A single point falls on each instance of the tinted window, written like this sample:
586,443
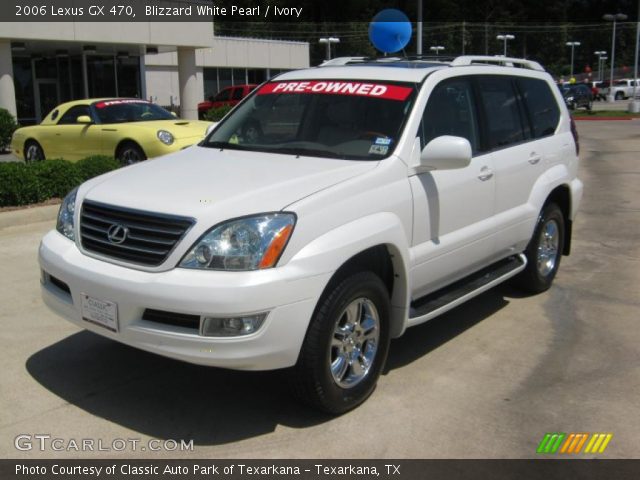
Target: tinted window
223,95
122,111
502,111
541,106
73,113
237,94
450,111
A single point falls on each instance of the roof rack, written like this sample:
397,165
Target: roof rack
452,61
341,61
387,59
498,60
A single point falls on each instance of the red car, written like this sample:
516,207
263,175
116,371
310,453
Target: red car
226,96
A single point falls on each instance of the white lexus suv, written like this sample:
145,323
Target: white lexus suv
328,212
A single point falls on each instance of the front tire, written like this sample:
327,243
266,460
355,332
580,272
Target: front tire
544,251
346,345
129,153
33,152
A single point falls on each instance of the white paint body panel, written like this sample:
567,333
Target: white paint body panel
438,227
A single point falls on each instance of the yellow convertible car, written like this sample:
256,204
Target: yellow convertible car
128,129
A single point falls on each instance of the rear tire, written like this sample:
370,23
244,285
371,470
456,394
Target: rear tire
129,153
544,251
33,152
619,96
346,345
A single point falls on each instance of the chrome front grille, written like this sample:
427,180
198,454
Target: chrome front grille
133,236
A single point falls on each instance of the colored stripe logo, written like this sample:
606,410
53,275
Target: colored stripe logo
573,443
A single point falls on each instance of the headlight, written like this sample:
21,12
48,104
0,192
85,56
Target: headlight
250,243
165,137
569,99
65,223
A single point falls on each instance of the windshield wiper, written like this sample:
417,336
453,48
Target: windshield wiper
223,145
313,152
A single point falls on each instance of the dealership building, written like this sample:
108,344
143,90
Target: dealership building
171,63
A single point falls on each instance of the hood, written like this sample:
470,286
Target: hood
177,127
215,185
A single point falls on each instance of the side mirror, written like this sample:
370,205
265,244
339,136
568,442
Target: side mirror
86,119
445,153
174,114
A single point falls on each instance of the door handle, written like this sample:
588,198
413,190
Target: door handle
534,159
485,174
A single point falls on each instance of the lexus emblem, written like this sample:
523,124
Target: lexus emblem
117,233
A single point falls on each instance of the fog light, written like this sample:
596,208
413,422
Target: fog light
231,327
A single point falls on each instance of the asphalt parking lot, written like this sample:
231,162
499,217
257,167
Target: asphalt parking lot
488,379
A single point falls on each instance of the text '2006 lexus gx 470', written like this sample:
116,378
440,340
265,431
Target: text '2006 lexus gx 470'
328,212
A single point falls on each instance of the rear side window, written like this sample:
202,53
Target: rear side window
502,111
541,105
451,111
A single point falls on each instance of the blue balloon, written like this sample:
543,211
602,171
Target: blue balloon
390,30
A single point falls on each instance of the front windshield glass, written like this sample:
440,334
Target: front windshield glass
325,118
130,110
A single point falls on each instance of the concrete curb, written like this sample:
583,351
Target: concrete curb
28,215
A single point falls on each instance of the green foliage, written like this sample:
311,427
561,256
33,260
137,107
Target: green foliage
97,165
18,185
55,177
216,114
8,125
23,184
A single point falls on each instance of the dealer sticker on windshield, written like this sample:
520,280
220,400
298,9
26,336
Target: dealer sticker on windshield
378,149
363,89
382,141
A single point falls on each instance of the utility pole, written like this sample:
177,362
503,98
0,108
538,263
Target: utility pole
419,28
486,38
634,106
618,17
572,45
463,42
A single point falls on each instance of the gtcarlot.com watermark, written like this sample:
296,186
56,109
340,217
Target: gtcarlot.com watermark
44,442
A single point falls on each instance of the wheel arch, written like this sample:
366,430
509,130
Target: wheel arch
385,261
561,196
123,142
557,185
376,242
32,139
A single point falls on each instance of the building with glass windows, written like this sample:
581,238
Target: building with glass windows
173,64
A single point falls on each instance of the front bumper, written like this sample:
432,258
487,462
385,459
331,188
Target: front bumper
288,293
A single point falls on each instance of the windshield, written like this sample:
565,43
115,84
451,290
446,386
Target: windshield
353,120
122,111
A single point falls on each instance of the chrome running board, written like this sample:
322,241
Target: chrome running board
435,304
